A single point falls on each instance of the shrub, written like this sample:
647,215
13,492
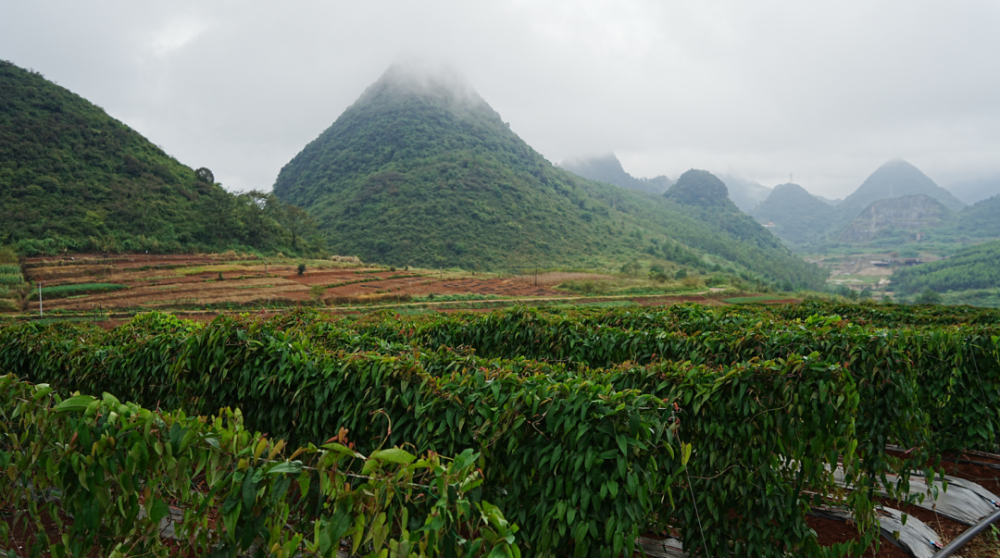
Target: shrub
316,292
8,255
692,281
929,296
302,269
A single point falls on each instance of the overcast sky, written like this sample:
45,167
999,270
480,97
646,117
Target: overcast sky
827,91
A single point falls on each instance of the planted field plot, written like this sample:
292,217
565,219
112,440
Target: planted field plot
83,283
95,284
688,430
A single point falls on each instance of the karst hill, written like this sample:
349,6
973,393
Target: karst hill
897,204
74,179
420,170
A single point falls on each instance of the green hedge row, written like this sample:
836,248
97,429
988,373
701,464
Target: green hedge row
104,463
583,459
946,378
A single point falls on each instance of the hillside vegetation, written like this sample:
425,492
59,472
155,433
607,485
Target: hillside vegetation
73,178
975,267
422,171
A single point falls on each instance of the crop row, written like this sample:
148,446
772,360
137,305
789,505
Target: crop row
583,459
64,291
117,469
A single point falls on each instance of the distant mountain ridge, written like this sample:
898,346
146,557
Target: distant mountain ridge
896,204
419,171
894,179
746,194
607,168
794,214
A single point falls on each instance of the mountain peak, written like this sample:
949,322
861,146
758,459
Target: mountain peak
417,77
701,188
895,178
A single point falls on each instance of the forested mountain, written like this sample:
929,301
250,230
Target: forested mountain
907,216
974,267
897,204
73,178
607,168
894,179
420,170
978,221
797,216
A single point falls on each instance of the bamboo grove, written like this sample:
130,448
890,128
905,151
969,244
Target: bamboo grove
590,427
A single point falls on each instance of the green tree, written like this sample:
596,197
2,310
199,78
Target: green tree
929,296
297,223
205,175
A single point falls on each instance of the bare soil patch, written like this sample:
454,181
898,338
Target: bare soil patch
557,277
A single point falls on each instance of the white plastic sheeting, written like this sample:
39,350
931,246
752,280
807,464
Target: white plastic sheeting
915,537
964,501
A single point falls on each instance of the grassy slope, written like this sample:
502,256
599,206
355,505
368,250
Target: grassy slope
417,174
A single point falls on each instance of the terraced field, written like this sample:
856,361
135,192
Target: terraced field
201,286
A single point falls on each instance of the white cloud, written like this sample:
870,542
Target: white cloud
175,34
825,91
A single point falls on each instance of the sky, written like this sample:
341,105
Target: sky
825,92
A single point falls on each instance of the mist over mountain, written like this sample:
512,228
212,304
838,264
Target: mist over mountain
895,179
420,170
828,201
897,204
607,168
746,194
977,189
793,214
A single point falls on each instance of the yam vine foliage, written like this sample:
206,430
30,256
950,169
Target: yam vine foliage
124,473
592,426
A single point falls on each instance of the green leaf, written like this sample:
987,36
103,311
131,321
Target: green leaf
394,455
686,455
249,489
158,511
293,467
75,403
335,529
